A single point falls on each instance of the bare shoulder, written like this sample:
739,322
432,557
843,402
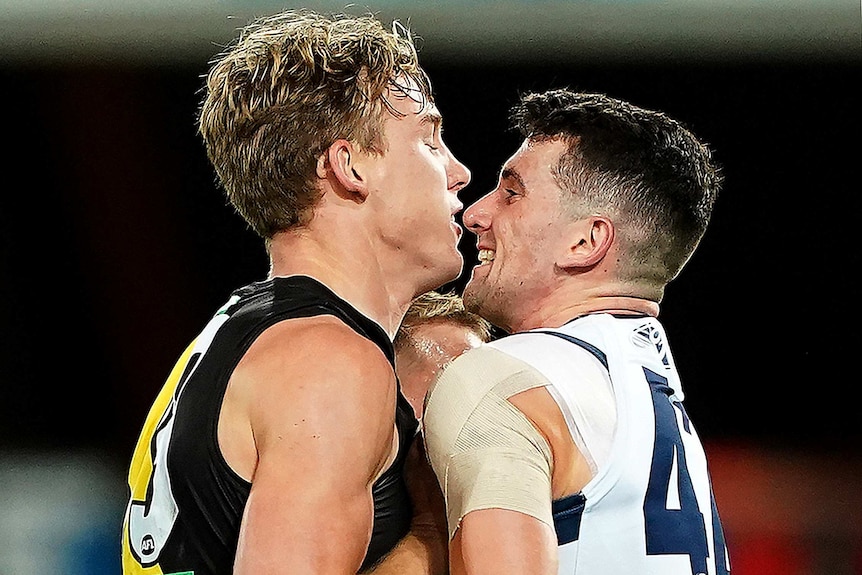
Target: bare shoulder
320,348
321,411
316,371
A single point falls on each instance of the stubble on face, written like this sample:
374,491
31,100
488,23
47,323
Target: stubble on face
520,225
479,297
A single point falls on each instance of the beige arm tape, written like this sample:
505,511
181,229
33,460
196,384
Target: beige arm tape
485,452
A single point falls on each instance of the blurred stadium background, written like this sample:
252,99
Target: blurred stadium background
116,246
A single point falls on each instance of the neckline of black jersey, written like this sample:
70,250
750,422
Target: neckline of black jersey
374,330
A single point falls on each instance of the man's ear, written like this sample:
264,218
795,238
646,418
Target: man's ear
591,239
341,161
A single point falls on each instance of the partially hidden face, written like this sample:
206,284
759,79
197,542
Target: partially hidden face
418,180
520,230
431,347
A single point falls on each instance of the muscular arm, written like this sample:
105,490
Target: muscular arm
423,551
505,541
497,439
323,428
501,541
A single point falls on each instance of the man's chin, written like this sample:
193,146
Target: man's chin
472,301
478,274
448,272
478,298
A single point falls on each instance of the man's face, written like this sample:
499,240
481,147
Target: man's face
429,349
417,179
521,230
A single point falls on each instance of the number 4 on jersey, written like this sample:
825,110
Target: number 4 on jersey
674,522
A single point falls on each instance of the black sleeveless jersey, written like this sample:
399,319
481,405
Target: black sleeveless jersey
186,503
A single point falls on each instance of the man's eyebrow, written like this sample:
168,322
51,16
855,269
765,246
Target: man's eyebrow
512,174
431,117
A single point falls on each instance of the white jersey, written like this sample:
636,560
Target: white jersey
649,509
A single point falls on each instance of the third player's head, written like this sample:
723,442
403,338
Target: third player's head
436,329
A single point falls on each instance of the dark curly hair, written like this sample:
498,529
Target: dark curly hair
639,166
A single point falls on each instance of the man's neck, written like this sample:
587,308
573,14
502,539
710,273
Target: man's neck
615,305
350,270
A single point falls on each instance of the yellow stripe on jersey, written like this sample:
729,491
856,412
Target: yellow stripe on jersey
141,468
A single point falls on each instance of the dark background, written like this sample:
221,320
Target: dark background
117,245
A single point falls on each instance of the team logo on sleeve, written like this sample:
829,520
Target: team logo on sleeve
647,335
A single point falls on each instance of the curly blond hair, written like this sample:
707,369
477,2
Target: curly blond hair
289,86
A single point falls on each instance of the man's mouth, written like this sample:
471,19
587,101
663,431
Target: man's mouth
486,256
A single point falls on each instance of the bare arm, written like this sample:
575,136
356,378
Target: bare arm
423,551
499,489
501,541
506,541
324,429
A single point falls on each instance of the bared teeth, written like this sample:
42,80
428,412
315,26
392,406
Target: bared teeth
486,256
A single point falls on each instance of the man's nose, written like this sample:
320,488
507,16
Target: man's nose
459,174
477,216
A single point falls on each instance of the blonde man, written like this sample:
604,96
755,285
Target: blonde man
436,329
278,443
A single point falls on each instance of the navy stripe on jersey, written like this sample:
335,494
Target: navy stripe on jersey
567,517
600,355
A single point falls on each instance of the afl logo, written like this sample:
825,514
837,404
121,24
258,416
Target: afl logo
148,545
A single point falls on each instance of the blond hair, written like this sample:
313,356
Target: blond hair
288,87
440,307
